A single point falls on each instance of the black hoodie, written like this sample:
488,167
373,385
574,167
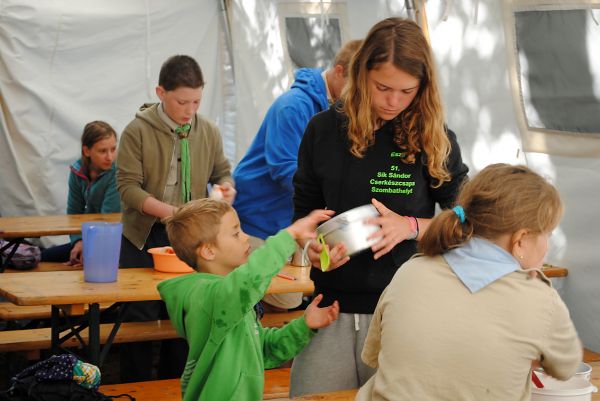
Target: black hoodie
330,176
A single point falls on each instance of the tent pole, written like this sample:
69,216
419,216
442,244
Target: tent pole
416,11
410,9
227,29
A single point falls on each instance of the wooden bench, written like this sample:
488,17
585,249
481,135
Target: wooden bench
34,340
277,385
349,395
10,311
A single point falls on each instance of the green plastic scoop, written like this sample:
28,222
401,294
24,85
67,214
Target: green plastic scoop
324,253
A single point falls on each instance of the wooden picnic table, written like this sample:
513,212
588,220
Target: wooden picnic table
41,226
67,291
16,229
549,271
276,387
134,284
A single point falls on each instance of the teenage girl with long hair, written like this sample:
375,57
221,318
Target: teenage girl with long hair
384,143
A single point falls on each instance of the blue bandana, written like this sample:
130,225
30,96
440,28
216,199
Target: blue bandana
479,262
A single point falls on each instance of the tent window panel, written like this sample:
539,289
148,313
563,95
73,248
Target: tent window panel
560,81
312,41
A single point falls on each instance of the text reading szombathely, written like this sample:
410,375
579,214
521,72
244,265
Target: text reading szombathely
393,181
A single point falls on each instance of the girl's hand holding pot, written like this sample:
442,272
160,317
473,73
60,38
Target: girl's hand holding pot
394,229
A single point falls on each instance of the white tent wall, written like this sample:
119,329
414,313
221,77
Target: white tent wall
63,64
263,69
471,53
57,73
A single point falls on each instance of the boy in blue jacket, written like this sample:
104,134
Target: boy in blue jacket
264,175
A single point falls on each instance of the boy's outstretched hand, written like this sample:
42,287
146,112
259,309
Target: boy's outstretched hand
305,227
317,318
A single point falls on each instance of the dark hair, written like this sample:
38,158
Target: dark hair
501,199
180,71
93,132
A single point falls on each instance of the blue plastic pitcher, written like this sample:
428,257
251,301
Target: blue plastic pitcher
101,250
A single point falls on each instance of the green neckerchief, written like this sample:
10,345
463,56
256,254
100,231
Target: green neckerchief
183,132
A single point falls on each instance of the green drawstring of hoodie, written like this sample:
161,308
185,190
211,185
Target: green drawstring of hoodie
182,132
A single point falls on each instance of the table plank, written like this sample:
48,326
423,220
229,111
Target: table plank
138,284
342,395
45,267
590,356
553,272
303,283
40,226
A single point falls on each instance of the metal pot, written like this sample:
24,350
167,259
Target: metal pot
349,228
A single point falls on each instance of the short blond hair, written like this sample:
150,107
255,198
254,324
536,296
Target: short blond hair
345,54
194,224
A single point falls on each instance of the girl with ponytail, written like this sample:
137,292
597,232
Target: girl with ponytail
474,310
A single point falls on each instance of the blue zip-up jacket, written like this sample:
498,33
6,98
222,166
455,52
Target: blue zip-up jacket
264,176
98,196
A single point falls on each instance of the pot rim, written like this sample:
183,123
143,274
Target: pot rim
348,217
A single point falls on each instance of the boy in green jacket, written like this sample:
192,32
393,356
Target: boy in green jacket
213,309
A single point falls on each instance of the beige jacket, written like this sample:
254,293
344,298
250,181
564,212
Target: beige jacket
432,339
143,161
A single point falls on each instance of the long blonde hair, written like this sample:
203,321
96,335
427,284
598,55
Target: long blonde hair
420,127
501,199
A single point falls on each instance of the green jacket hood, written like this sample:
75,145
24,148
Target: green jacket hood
175,293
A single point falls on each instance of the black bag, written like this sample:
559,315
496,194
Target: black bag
32,389
56,379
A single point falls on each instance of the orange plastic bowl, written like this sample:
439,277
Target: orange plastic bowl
166,261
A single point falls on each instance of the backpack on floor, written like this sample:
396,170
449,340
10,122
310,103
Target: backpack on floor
58,378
